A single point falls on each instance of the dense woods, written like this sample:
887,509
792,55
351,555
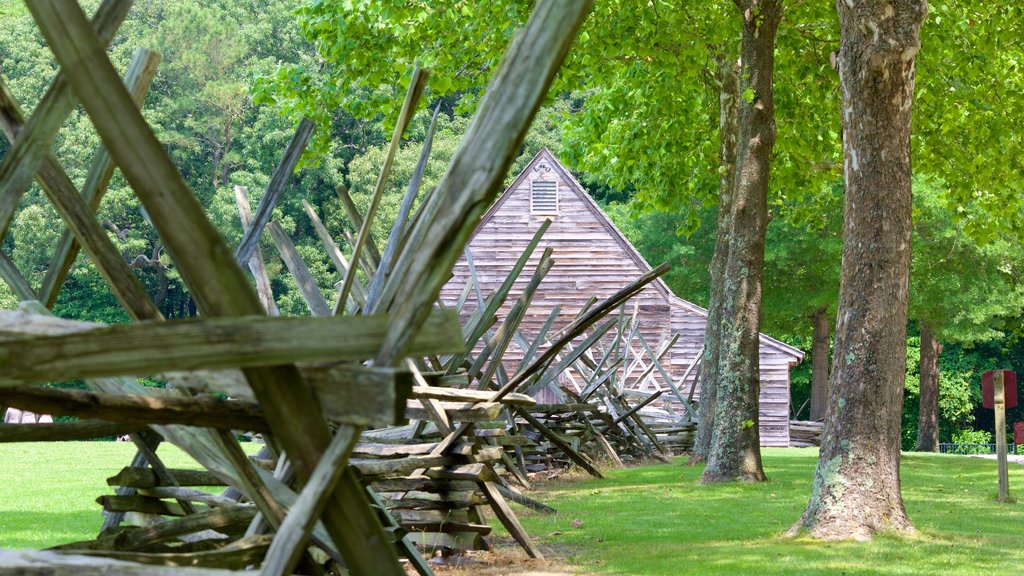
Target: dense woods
671,117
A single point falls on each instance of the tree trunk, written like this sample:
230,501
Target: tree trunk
729,98
819,363
735,451
928,414
856,489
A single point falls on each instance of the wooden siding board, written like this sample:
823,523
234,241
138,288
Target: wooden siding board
592,258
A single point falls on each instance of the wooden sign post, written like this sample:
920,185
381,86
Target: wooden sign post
999,398
999,392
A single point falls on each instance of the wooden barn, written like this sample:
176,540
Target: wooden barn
593,258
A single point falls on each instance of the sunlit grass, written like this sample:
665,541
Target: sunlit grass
48,491
658,520
645,520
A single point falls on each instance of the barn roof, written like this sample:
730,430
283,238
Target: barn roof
627,247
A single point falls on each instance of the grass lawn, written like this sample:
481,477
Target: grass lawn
48,491
657,520
643,520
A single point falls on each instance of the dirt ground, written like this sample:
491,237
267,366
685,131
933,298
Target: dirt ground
505,559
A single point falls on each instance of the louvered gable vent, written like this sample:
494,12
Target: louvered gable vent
544,197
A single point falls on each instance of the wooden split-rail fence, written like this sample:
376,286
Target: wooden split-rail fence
310,386
339,486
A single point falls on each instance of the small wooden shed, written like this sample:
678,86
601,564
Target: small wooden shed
593,258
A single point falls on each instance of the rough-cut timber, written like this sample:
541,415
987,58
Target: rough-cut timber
208,268
856,489
592,258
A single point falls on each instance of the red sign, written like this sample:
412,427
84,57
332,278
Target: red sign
1018,433
1009,388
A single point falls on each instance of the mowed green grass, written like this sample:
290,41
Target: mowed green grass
658,520
643,520
48,491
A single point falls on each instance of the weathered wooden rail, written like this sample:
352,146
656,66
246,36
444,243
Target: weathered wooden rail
314,495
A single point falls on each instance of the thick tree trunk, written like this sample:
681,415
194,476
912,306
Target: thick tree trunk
819,363
735,451
928,413
856,489
729,98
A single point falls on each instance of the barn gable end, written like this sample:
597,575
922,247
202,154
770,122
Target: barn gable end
593,258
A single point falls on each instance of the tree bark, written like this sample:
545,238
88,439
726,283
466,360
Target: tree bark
928,413
729,99
856,489
735,451
819,363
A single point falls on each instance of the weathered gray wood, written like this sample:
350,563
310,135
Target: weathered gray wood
508,518
147,442
204,343
22,161
334,253
256,265
275,189
465,395
585,321
335,385
64,431
187,495
138,477
236,555
474,472
205,411
288,544
391,248
412,98
208,268
404,543
50,563
458,411
381,450
297,266
368,264
137,79
477,169
153,442
594,258
639,406
364,397
227,519
486,317
382,467
524,500
505,333
567,360
555,439
12,276
141,504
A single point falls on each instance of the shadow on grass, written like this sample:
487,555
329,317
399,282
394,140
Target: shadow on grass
658,520
24,529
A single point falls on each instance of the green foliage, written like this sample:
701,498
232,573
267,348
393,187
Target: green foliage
645,113
201,109
970,82
971,437
967,287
